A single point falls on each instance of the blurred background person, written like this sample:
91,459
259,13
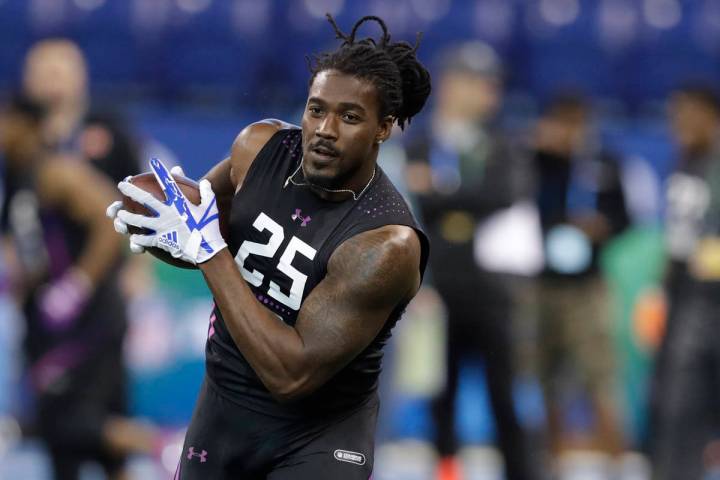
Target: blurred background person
55,75
582,208
189,72
463,170
64,277
686,383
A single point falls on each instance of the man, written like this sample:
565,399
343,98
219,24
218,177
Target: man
685,386
463,172
327,257
55,75
63,270
582,208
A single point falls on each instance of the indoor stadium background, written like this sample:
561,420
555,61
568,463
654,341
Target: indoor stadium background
187,75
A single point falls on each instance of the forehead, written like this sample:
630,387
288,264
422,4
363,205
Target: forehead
55,56
334,87
681,102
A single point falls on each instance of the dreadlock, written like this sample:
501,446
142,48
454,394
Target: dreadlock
402,82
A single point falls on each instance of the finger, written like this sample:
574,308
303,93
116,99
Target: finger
173,195
140,195
206,192
113,208
177,170
136,249
142,240
207,201
137,220
120,226
205,188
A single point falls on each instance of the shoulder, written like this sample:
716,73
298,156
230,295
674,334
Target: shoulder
249,142
252,138
387,258
106,117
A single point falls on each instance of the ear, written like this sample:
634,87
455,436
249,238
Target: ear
384,129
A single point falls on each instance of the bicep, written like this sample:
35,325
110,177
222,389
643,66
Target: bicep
220,179
81,192
369,276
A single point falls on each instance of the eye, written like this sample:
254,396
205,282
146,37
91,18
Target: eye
314,110
351,117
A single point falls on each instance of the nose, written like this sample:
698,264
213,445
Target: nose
327,128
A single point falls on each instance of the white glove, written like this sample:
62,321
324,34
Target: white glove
186,231
120,226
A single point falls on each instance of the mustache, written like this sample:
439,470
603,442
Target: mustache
327,145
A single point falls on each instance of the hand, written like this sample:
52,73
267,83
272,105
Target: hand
186,231
62,301
120,226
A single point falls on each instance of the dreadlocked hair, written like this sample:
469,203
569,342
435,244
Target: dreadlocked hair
402,82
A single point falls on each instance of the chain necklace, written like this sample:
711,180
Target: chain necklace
329,190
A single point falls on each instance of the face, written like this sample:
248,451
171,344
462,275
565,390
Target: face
562,132
341,131
468,97
693,123
55,73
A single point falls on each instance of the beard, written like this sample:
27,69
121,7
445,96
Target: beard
327,180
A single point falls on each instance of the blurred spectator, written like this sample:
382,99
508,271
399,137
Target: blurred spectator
463,171
686,383
64,275
582,208
55,75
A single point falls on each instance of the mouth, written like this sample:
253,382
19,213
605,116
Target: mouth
324,154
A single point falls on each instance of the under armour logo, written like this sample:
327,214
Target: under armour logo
297,216
191,454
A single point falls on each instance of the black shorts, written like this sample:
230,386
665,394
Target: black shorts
228,441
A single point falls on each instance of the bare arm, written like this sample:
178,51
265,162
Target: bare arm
82,193
227,176
368,276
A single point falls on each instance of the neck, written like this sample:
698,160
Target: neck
330,196
365,173
701,149
63,121
353,190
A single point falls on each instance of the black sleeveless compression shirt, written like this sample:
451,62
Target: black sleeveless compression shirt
282,236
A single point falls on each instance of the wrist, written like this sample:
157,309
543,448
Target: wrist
221,256
80,281
63,300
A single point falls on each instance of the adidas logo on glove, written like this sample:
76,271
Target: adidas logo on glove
186,231
169,239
